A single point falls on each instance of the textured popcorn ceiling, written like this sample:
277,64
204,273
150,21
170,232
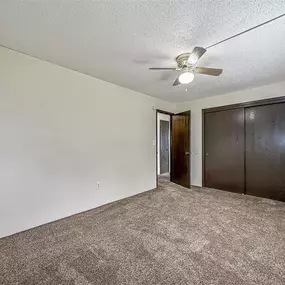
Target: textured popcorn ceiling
118,41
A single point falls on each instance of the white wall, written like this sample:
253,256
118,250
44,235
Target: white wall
163,117
61,132
196,106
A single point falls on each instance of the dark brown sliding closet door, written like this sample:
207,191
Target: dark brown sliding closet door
224,150
265,151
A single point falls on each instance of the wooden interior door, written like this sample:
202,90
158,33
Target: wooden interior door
164,147
265,151
180,149
224,150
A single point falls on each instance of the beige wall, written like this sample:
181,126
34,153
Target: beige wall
61,133
196,106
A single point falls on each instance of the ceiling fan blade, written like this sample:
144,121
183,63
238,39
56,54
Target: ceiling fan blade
195,55
209,71
176,82
162,68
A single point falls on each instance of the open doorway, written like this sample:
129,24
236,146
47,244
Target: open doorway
173,148
163,147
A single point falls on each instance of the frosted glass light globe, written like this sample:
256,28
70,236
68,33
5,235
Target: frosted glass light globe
186,77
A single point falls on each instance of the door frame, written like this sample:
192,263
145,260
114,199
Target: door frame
268,101
170,142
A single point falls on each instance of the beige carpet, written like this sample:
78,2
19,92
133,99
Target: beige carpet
169,235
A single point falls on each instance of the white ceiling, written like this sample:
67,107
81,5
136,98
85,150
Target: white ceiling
118,41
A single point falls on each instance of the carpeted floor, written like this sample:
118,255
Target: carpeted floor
170,235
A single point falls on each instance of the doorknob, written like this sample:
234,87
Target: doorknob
187,153
207,154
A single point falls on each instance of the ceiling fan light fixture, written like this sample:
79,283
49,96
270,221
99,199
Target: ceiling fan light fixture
186,77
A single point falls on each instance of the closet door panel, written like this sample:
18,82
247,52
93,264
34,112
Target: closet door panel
224,150
265,151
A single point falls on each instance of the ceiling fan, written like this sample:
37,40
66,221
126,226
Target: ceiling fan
186,64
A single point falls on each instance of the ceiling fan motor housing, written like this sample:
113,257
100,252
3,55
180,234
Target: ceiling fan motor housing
182,61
